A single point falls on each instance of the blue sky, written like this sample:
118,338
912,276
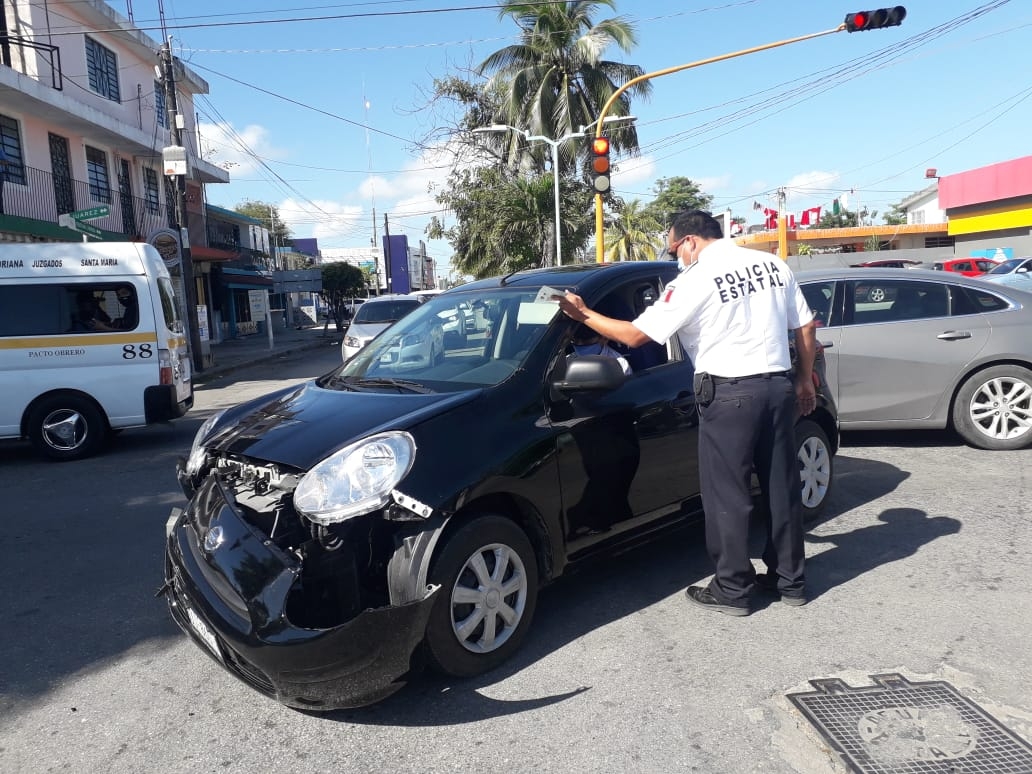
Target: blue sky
323,116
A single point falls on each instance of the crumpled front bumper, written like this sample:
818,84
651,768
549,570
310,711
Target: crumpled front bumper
228,588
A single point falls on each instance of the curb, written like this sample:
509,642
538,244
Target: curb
218,371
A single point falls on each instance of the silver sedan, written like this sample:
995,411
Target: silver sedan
910,348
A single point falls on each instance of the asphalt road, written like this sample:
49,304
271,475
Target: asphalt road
920,566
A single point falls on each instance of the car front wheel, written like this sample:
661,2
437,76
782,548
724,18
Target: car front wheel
815,466
993,409
488,577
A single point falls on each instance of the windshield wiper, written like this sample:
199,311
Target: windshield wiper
380,381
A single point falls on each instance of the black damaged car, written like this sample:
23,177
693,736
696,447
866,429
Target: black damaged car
407,507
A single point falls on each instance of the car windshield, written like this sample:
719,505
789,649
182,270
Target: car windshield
455,341
1006,266
386,311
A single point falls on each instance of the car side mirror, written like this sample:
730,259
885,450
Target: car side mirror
590,373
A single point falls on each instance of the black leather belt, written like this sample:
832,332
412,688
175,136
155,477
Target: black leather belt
736,379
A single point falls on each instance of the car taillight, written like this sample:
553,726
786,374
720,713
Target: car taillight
165,366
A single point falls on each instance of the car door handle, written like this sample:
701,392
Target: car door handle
829,345
954,335
684,400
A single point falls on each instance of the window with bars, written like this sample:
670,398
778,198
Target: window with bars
159,104
97,174
171,195
939,241
102,66
11,151
150,189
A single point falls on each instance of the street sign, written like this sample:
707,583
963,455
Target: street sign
93,212
66,221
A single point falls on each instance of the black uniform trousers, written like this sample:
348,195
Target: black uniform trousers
750,425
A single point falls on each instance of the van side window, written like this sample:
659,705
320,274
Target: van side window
33,310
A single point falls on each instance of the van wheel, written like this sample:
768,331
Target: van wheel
488,576
66,428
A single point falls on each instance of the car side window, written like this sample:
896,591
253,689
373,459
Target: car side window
899,300
819,295
975,300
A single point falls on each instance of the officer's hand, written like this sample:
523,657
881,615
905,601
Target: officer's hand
572,306
806,396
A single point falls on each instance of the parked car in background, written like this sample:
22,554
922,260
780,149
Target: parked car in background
945,351
969,267
373,316
338,535
1013,271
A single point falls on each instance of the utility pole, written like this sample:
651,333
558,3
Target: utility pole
176,124
387,254
782,226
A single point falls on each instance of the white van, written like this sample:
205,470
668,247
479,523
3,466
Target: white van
90,342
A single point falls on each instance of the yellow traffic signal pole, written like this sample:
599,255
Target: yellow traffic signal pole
599,239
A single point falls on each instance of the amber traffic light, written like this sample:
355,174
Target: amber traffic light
880,18
600,164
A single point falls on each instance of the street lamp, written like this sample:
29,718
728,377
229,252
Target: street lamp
555,162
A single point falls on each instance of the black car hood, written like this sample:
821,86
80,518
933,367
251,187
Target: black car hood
303,425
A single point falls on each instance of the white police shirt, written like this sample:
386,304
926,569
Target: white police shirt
732,310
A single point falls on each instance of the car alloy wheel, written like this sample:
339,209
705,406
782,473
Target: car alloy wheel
876,295
815,466
993,408
488,573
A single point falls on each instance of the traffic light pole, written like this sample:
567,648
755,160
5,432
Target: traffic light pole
599,238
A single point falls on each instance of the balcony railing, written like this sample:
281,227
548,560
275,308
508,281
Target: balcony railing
40,195
51,53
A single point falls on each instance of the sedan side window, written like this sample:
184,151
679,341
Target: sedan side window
819,296
898,300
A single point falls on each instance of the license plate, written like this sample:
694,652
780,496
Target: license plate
184,368
203,632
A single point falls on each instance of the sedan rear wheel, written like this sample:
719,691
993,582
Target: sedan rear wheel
815,466
488,576
993,409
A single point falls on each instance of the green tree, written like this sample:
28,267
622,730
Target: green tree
897,216
503,223
554,81
843,219
340,281
634,234
280,234
674,194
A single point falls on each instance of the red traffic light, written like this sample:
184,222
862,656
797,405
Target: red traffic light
600,164
862,21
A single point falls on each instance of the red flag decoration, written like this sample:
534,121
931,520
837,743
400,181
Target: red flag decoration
811,217
772,218
791,220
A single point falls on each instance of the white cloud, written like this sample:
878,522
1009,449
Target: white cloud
234,149
810,185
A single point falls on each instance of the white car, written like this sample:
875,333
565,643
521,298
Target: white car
372,317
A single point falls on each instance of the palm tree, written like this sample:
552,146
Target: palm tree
554,81
634,234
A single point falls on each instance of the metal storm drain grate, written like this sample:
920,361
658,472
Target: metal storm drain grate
899,727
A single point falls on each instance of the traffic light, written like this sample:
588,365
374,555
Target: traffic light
600,164
862,21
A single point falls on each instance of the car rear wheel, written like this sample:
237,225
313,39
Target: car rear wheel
488,577
815,466
993,408
66,427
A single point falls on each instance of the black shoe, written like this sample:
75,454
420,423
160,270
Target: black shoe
768,583
701,595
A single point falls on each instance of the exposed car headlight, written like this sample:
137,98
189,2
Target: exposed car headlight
197,450
355,480
352,341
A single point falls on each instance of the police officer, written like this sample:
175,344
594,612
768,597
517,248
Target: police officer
733,308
